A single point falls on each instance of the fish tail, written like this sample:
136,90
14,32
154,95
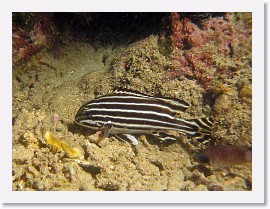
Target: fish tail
199,129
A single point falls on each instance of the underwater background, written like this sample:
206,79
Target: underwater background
62,60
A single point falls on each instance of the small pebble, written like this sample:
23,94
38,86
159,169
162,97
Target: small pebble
36,162
54,118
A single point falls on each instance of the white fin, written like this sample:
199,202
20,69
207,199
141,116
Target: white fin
129,137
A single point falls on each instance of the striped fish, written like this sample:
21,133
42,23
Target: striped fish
125,113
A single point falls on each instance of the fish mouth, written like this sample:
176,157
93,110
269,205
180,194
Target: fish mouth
77,119
79,116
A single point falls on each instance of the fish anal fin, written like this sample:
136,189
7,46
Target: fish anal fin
202,138
162,136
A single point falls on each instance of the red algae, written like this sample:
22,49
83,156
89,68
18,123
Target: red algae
184,33
224,156
209,49
34,36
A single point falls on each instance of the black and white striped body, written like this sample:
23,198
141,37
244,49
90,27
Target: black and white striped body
127,112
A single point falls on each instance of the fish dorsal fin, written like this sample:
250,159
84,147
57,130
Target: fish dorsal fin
128,92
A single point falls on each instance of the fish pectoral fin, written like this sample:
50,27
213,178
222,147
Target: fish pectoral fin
127,137
106,133
164,136
106,129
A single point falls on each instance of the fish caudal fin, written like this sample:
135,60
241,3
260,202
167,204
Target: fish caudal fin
199,129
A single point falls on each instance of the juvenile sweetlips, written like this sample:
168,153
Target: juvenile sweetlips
224,155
